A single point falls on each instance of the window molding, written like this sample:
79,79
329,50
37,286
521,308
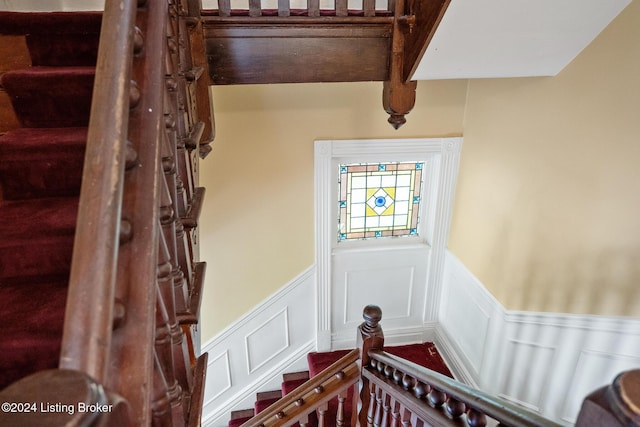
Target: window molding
445,152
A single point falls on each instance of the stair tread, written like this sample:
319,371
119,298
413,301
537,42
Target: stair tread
41,142
239,417
50,96
271,394
26,220
265,399
45,71
41,162
242,413
21,23
290,385
32,323
293,380
37,238
292,376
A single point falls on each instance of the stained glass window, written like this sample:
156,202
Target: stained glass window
379,200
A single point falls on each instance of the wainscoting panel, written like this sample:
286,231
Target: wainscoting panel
251,355
393,279
516,383
363,286
221,381
607,364
547,362
260,350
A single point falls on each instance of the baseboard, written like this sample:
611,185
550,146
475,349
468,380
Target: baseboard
452,357
397,336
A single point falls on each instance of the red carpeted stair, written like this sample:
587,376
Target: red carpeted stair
425,354
40,174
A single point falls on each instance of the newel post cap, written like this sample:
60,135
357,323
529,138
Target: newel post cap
372,314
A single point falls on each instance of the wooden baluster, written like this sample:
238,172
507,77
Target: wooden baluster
369,7
377,420
304,421
168,223
372,406
168,335
386,409
255,8
391,5
341,8
406,416
224,7
340,411
284,8
395,413
322,413
313,7
160,406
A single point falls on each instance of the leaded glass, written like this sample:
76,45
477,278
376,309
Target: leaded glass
379,200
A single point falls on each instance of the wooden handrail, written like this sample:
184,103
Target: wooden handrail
90,301
312,395
414,385
130,305
395,392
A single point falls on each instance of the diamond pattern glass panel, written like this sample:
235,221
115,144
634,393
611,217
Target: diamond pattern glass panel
379,200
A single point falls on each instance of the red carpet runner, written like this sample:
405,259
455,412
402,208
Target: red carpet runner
425,355
40,173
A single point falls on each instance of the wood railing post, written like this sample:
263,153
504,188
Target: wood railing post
615,405
370,337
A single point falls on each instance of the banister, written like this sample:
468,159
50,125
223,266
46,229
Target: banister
408,376
394,391
311,395
89,314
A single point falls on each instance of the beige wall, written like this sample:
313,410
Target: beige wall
547,211
258,230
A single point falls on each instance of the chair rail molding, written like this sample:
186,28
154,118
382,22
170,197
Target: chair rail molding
547,362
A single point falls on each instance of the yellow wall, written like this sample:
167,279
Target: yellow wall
257,231
547,211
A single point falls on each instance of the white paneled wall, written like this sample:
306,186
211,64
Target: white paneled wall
547,362
252,354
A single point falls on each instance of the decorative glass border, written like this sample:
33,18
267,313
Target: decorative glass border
379,200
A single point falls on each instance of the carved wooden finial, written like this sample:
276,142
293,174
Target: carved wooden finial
398,99
372,314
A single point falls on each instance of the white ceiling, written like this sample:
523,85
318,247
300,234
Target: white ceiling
476,38
513,38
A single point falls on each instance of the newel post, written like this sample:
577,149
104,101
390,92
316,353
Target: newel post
370,337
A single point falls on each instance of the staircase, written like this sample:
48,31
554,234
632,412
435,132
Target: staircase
40,175
425,355
103,119
264,399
